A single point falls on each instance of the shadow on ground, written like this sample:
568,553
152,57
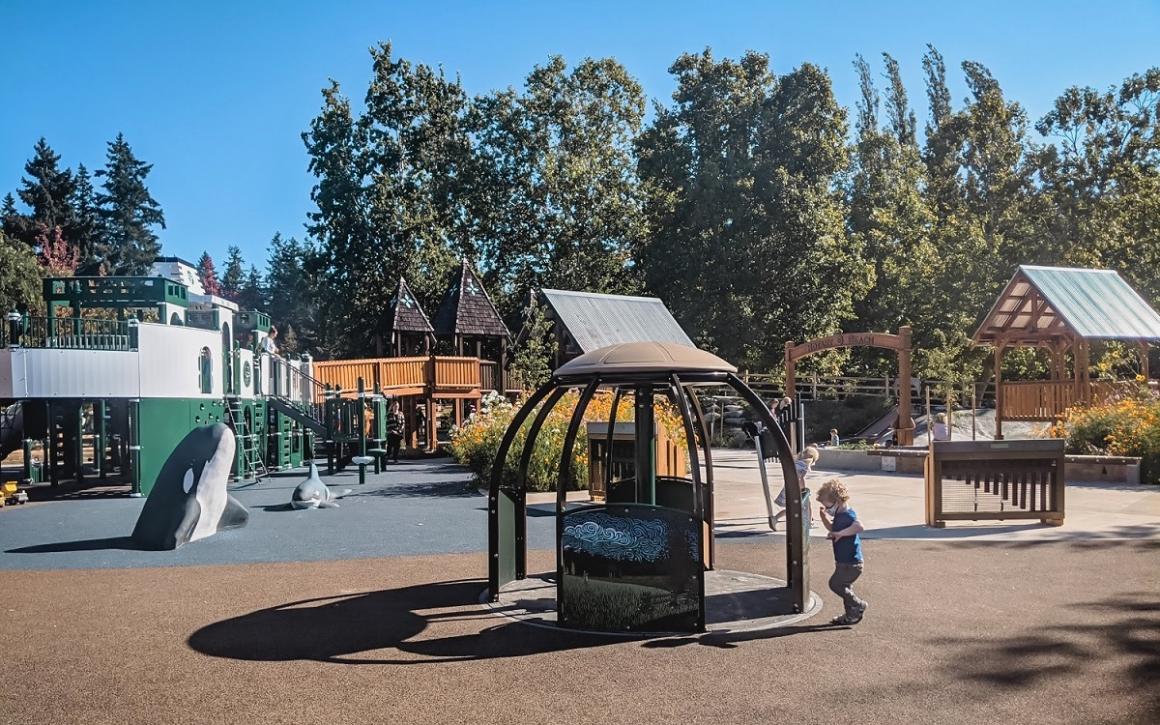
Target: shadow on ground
386,628
380,627
123,543
1071,650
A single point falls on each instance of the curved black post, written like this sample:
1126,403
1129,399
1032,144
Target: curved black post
522,482
608,441
691,441
562,482
497,467
710,508
797,555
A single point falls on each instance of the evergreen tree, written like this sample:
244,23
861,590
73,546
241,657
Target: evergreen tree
208,275
234,276
531,364
252,295
10,216
47,191
128,213
85,230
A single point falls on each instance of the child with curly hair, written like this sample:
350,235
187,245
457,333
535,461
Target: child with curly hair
844,527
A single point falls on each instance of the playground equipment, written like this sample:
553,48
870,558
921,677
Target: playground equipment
900,343
637,561
111,389
995,480
1062,310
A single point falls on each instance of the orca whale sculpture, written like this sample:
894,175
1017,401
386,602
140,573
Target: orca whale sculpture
189,500
313,493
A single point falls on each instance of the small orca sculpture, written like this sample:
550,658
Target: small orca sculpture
314,494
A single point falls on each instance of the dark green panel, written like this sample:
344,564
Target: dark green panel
507,538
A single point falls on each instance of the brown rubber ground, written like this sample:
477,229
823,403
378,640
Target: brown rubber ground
956,632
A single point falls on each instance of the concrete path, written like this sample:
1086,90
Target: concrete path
891,506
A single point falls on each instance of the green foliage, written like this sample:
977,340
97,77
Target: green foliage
531,364
128,213
19,277
555,201
234,276
476,445
1129,426
746,239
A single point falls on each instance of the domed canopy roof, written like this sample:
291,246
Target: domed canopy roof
644,357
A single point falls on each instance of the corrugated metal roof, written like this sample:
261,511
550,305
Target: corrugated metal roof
1093,304
599,320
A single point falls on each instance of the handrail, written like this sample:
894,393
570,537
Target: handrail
66,333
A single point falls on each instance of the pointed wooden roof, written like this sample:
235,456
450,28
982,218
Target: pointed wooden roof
406,315
467,310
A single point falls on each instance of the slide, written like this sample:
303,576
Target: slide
879,427
11,429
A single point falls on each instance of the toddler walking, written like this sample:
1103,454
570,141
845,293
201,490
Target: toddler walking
844,527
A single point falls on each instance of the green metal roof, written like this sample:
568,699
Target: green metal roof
1092,304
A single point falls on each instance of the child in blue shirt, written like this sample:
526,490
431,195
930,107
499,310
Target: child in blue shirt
844,527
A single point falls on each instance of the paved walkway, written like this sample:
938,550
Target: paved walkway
891,506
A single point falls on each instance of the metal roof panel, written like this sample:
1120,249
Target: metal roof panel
597,320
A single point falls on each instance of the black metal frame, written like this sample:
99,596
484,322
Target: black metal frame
677,384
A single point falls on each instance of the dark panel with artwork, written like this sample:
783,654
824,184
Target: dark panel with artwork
631,568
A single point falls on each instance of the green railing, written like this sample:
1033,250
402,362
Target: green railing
69,333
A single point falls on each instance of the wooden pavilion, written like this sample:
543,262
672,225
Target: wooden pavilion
1063,311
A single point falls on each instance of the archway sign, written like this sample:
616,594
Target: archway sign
900,343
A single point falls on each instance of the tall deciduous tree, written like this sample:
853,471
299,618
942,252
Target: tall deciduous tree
128,213
747,240
19,276
559,203
340,222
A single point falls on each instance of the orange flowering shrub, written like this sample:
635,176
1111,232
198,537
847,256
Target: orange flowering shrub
476,443
1128,426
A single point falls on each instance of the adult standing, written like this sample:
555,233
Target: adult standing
396,429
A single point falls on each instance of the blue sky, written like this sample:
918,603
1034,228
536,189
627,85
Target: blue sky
216,94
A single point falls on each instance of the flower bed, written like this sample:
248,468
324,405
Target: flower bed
1129,426
476,443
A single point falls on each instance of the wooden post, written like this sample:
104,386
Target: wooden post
501,372
1144,361
790,377
432,441
905,421
974,405
999,390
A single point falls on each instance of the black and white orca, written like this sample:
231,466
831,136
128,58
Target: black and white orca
189,500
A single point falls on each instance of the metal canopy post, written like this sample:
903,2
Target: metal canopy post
797,553
645,460
493,523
